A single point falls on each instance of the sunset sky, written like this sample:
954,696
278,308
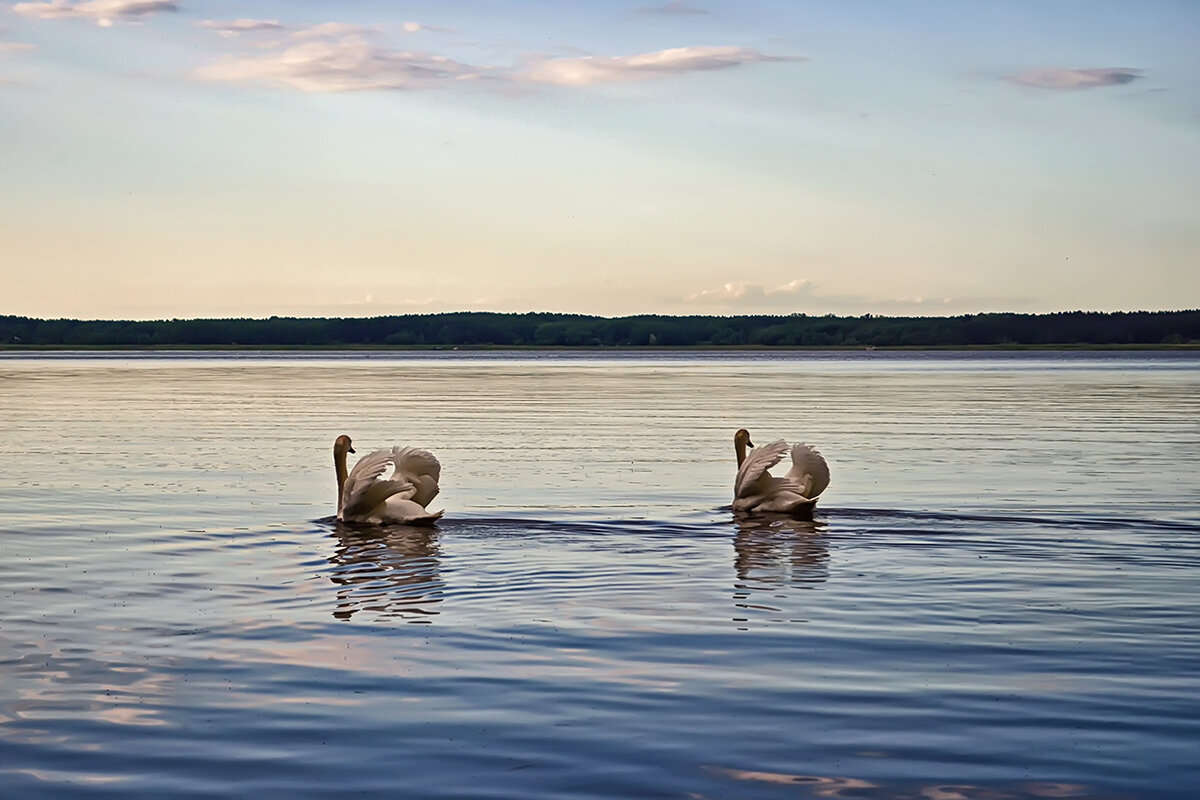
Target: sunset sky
182,158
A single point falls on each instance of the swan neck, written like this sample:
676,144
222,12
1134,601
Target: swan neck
339,467
740,447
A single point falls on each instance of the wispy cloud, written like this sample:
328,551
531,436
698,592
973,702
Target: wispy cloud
239,26
15,47
674,7
1062,78
337,57
419,27
11,48
741,294
102,12
590,70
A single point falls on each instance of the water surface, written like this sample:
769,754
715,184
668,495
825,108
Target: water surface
996,598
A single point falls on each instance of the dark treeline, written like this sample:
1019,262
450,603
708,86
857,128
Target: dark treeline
1139,328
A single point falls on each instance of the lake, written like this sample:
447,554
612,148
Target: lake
997,597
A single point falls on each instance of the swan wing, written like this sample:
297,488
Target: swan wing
809,470
417,461
365,489
422,469
753,472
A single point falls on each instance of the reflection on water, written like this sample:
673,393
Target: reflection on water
780,551
844,787
391,572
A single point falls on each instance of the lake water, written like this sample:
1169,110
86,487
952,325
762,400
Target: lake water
997,598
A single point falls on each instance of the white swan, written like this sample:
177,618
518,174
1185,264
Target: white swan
366,496
755,490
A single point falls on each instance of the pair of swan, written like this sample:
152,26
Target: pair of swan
365,495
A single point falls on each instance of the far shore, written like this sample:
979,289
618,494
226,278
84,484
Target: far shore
336,348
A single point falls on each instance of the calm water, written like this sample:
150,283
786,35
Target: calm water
998,598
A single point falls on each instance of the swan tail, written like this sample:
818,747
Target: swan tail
427,519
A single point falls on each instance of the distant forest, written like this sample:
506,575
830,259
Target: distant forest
1075,328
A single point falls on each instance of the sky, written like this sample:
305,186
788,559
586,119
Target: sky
203,158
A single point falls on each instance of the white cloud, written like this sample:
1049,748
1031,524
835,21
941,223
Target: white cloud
239,26
421,27
741,294
334,29
591,70
1066,79
338,58
102,12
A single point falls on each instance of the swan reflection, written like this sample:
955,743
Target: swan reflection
779,551
836,786
390,572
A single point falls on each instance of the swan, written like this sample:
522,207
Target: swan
365,495
755,490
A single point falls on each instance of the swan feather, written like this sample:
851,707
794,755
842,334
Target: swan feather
809,470
365,488
421,468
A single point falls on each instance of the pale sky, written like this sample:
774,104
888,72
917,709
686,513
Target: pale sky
183,158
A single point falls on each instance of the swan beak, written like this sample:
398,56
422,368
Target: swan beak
351,449
748,444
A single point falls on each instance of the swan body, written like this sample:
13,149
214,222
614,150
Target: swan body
755,490
366,495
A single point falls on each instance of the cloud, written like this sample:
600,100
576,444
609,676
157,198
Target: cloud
102,12
338,58
740,294
333,30
674,7
1067,79
418,27
15,47
239,26
591,70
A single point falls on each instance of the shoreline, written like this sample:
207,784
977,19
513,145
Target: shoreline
377,348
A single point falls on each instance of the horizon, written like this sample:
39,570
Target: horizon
179,159
783,315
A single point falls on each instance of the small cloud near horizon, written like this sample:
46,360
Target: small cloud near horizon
740,293
104,13
1065,79
674,7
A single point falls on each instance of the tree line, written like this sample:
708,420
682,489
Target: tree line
1074,328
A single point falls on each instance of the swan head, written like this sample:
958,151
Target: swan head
341,445
742,437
